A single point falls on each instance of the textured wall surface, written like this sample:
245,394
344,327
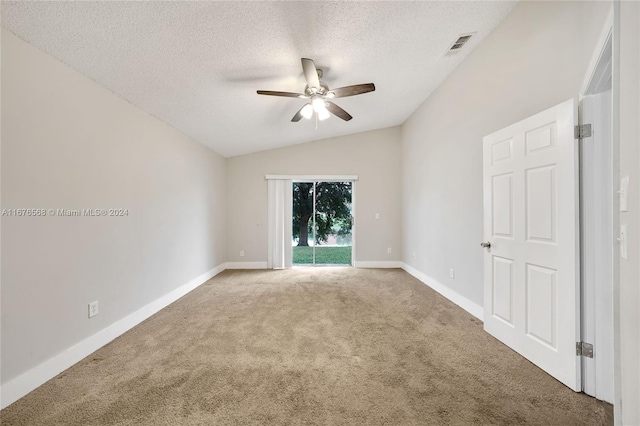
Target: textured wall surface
629,107
69,144
373,156
536,58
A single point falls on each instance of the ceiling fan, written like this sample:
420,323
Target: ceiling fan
319,94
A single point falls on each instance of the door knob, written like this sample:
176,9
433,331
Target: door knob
485,245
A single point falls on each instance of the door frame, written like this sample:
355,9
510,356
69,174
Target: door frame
331,178
600,65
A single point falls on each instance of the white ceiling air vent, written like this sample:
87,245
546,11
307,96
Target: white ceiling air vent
459,43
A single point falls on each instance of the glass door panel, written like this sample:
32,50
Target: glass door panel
322,223
302,232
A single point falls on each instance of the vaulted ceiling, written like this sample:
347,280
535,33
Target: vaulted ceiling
197,65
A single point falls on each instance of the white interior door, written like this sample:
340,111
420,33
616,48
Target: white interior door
531,278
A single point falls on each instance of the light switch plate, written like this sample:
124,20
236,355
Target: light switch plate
624,194
623,242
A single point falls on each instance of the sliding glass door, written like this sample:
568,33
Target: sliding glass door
322,223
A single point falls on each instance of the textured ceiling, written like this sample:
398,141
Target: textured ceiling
197,65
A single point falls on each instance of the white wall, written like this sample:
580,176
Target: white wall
373,156
68,143
535,59
629,116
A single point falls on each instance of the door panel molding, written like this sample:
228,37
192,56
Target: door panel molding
531,279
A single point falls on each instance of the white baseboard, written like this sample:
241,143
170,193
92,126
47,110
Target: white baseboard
246,265
466,304
28,381
378,264
358,264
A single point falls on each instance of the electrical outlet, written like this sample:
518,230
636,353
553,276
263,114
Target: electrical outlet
413,255
241,253
93,309
389,250
452,273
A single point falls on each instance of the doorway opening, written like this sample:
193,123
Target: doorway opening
322,223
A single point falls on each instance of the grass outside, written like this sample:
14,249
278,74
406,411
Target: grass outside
324,255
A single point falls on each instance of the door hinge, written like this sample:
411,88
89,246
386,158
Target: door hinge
582,131
584,349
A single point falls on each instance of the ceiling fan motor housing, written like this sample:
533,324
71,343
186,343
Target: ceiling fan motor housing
322,90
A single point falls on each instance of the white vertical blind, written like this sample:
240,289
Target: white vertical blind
280,206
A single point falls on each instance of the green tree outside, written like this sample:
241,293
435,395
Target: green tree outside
333,211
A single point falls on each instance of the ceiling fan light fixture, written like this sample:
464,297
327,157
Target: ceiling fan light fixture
307,111
323,114
318,104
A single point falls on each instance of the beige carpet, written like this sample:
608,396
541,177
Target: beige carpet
327,346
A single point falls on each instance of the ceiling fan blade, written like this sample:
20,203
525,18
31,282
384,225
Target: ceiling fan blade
338,112
310,73
285,94
357,89
298,115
